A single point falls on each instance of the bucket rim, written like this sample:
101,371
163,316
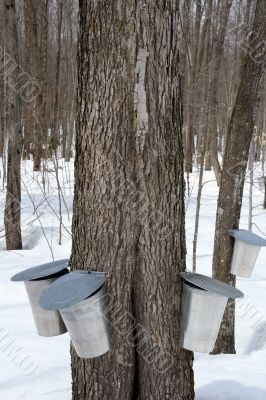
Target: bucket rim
40,271
200,291
94,297
212,285
71,289
248,237
49,279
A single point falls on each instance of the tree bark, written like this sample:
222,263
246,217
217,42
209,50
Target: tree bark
213,101
36,28
129,197
191,91
13,194
239,136
55,135
71,89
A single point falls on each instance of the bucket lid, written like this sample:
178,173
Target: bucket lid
212,285
40,271
247,237
71,289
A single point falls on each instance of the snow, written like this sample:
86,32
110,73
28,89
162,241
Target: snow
32,367
241,376
49,376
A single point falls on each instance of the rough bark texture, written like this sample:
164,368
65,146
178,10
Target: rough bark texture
14,132
239,136
128,205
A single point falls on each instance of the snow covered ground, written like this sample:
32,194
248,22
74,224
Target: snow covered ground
241,376
34,368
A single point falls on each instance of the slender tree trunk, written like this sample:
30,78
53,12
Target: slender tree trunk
204,66
55,137
2,117
70,131
251,182
264,202
26,108
199,194
129,192
36,27
213,100
72,100
13,195
239,136
190,91
41,101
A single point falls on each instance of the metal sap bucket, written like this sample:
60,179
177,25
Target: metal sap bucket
36,280
262,183
246,250
80,299
203,303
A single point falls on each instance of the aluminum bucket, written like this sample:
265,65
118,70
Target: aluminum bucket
79,297
202,314
262,183
246,250
37,280
203,304
48,323
244,258
87,326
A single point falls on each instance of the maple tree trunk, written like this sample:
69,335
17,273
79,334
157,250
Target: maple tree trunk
129,197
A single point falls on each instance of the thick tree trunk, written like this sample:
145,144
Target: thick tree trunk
239,136
14,132
128,205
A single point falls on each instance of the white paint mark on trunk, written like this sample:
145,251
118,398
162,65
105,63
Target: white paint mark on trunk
141,98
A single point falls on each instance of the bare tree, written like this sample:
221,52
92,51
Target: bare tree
13,195
35,57
239,136
225,7
192,73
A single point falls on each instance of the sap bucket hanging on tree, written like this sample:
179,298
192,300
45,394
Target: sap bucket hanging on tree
262,183
80,299
203,303
36,280
246,250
